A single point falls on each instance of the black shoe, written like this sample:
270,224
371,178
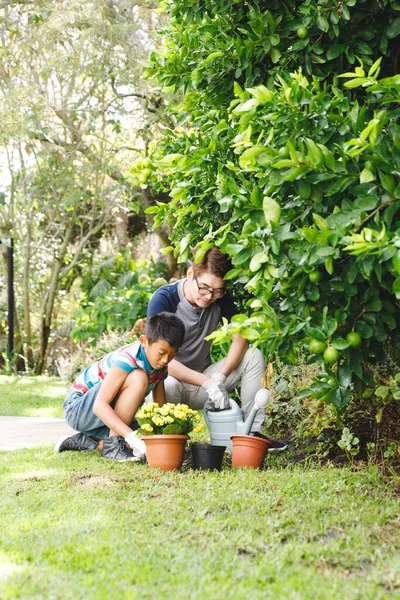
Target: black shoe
79,441
115,448
275,445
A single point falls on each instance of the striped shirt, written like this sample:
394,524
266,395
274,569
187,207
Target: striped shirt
128,358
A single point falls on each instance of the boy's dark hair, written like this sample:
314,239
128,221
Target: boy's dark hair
165,326
213,262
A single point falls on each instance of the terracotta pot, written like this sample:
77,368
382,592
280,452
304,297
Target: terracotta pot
165,452
206,457
248,451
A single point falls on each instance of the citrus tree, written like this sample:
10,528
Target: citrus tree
287,158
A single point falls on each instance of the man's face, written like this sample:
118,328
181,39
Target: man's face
159,353
203,289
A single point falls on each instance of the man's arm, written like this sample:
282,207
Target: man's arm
186,375
235,354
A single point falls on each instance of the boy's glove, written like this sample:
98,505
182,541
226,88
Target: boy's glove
137,446
217,394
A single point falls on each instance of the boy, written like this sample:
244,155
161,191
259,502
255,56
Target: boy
102,402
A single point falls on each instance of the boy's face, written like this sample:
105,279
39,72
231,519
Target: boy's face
159,353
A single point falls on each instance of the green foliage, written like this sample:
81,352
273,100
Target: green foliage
209,45
114,295
295,175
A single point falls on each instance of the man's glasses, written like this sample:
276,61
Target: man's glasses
205,291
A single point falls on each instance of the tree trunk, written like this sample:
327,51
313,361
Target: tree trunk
48,302
26,287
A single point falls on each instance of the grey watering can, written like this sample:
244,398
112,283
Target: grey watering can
224,423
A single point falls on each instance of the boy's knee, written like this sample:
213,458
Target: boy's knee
138,378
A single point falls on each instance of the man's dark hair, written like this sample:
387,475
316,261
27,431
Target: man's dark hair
165,326
213,262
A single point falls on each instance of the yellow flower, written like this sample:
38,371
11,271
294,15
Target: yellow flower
147,427
199,428
197,418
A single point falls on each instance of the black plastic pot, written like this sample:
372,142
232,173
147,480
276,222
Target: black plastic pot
207,457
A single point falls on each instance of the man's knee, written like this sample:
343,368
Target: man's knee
253,359
173,390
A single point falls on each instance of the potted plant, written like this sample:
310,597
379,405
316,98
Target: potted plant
165,431
207,457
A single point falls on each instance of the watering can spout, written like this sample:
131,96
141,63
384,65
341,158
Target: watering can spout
261,400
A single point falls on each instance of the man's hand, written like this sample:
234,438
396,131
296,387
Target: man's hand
217,394
220,377
137,446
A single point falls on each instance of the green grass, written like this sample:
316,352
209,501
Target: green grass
32,396
75,526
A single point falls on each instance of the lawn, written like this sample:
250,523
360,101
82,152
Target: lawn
32,396
74,526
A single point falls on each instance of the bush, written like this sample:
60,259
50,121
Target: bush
114,295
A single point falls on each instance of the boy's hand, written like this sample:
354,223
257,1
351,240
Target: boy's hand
217,394
137,446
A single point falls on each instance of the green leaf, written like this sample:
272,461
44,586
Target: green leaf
335,50
262,93
315,333
247,106
340,343
272,210
393,30
364,329
382,391
344,375
320,222
366,176
396,288
257,260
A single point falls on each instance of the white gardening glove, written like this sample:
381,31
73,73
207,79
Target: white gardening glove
217,393
219,377
137,445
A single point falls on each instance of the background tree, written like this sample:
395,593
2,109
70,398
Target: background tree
74,110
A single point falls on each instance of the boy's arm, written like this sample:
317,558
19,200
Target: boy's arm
111,386
159,394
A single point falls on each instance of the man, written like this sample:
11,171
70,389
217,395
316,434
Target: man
201,301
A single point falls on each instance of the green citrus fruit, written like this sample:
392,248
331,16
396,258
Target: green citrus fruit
302,32
314,276
354,339
284,152
332,382
316,346
331,354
